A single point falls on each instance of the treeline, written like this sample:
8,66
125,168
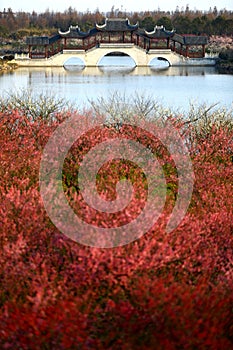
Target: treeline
16,25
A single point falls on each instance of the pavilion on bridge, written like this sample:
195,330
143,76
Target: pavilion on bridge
117,31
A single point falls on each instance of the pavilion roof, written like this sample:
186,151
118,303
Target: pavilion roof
116,25
42,40
74,32
159,32
188,39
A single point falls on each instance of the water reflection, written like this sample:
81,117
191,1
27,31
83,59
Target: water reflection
158,70
74,68
49,72
115,70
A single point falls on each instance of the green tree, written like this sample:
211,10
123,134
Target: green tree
229,26
166,22
197,25
182,24
3,31
219,25
148,23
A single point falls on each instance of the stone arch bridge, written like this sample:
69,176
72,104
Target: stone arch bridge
115,35
92,57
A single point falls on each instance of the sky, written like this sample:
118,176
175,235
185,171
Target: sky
106,5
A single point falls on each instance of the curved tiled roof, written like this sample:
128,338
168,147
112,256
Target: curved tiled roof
42,40
188,39
159,32
74,32
116,25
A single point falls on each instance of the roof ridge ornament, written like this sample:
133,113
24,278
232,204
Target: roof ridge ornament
74,30
116,24
71,28
160,29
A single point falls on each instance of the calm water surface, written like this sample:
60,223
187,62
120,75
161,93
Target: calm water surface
174,87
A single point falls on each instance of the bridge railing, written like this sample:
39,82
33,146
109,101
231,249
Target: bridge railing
37,55
195,55
185,53
44,54
95,44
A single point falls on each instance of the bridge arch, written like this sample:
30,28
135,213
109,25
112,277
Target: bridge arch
117,53
159,58
74,62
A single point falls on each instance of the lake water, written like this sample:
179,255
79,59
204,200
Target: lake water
174,87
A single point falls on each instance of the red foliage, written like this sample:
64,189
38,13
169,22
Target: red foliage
163,291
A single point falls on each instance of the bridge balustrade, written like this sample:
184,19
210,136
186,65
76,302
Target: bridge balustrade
185,53
43,54
139,42
91,44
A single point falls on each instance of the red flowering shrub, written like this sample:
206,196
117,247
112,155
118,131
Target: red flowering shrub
162,291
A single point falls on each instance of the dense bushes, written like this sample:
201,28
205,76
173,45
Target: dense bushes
163,291
227,54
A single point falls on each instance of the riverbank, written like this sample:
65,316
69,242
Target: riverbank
224,67
225,62
6,66
222,47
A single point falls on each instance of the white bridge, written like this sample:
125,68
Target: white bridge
92,57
